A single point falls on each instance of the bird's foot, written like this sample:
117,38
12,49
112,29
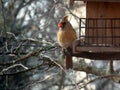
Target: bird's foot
67,51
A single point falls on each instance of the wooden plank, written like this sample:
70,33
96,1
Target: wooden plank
96,53
102,10
68,62
77,48
97,49
100,0
98,56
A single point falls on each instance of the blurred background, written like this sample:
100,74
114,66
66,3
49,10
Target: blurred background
29,49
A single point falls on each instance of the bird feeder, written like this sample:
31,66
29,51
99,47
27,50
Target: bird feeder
99,32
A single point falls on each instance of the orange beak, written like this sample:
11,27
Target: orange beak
60,24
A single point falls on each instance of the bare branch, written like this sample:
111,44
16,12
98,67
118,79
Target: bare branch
12,34
83,66
13,66
56,63
35,52
37,41
4,20
111,77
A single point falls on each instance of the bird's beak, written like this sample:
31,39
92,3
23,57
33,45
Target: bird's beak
61,24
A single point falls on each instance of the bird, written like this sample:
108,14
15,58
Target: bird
66,36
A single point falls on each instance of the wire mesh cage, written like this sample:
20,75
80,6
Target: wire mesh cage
99,39
104,32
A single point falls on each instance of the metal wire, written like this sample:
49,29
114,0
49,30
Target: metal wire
101,31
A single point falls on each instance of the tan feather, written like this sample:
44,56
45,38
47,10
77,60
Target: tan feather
66,35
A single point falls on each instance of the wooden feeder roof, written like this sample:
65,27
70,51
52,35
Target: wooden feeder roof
99,0
71,2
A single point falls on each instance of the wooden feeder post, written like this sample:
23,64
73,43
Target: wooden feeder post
68,62
67,53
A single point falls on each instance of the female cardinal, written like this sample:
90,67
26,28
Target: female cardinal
66,35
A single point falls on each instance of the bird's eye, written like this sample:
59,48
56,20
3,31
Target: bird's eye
64,23
61,24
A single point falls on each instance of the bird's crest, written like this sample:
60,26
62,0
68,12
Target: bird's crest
62,23
65,18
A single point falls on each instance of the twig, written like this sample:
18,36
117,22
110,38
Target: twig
111,67
4,20
37,81
6,46
27,56
83,66
12,34
101,77
70,12
23,71
18,47
50,59
36,41
13,66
